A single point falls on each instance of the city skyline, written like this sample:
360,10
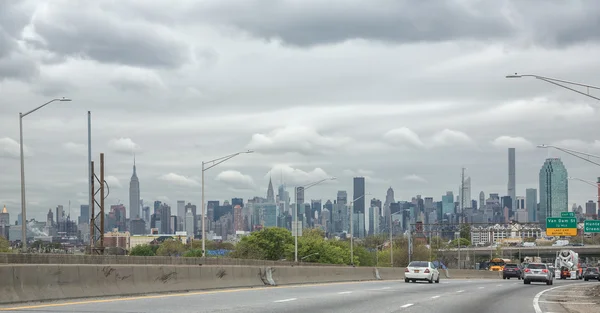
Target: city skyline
270,195
199,92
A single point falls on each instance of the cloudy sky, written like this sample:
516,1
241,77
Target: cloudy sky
404,93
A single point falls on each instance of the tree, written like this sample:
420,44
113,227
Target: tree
142,250
4,245
463,242
194,253
170,247
465,231
267,244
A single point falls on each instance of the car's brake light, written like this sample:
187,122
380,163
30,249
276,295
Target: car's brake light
406,270
526,270
544,271
426,271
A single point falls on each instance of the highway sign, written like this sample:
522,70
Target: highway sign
561,222
567,214
591,226
561,231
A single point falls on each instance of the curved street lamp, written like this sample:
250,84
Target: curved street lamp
23,205
295,217
561,83
212,163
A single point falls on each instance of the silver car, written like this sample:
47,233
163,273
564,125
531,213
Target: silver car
537,272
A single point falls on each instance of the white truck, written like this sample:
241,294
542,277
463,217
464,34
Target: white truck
532,259
567,262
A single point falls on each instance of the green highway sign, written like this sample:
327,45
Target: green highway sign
567,214
561,222
591,226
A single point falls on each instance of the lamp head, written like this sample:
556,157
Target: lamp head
64,99
514,76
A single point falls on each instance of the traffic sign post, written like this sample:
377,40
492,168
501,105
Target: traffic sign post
561,226
567,214
591,226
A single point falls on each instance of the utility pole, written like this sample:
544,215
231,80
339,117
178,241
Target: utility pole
462,213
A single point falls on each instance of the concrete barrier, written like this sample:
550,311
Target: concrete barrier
31,258
41,282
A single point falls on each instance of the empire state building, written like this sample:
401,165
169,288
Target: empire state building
134,195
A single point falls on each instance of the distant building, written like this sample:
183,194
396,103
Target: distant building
5,223
554,189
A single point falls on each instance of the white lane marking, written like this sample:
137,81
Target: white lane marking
406,305
435,297
569,303
536,299
498,285
344,292
286,300
570,296
385,288
480,287
460,291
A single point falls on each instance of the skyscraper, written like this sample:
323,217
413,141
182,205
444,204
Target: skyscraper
554,189
465,195
134,195
531,204
482,200
511,178
270,192
359,191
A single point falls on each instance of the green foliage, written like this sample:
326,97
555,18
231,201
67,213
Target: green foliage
372,242
142,250
465,232
4,245
270,243
170,247
463,242
194,253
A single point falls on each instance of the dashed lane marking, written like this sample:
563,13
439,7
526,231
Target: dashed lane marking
286,300
460,291
344,292
435,297
407,305
480,287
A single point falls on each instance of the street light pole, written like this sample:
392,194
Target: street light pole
296,204
213,163
575,153
392,239
23,204
352,227
560,83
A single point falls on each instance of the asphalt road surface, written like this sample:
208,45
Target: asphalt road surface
450,296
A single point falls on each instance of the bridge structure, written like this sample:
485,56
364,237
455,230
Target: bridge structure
545,252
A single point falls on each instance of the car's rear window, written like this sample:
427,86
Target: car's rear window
537,266
592,269
418,264
511,265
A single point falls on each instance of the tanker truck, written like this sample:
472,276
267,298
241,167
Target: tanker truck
567,262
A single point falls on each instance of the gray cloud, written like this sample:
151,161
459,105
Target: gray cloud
85,30
187,90
320,23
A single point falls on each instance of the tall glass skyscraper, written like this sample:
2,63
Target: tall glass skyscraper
531,204
554,189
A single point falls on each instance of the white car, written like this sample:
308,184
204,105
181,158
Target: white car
421,270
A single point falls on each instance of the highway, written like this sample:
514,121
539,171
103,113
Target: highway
450,296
